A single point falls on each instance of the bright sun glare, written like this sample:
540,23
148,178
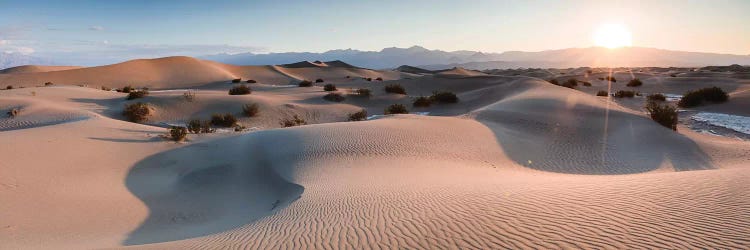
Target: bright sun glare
613,36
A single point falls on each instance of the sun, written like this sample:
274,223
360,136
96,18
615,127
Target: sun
612,35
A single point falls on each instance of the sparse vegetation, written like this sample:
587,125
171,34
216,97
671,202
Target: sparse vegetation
13,113
137,112
396,109
294,121
358,116
585,83
665,114
223,120
250,109
319,80
9,87
189,96
444,97
127,89
422,101
368,79
698,97
334,97
238,80
624,93
177,133
673,75
363,92
554,81
105,88
305,83
137,94
194,126
252,81
610,78
379,79
570,83
658,97
634,83
240,90
48,84
329,87
395,89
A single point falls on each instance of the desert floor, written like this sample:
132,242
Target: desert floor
516,163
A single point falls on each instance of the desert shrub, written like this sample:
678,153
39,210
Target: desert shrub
194,126
238,80
127,89
48,84
239,128
673,75
105,88
570,83
363,92
395,89
177,133
334,97
294,121
13,113
610,78
137,112
305,83
358,116
137,94
587,84
206,127
250,109
223,120
9,87
251,81
658,97
379,79
666,115
368,79
422,101
624,93
329,87
319,80
240,90
697,97
634,83
554,81
189,96
444,97
396,109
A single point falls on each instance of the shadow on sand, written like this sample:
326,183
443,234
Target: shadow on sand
206,188
550,135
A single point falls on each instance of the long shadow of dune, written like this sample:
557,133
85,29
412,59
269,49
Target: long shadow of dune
207,188
551,135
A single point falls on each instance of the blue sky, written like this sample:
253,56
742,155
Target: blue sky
100,31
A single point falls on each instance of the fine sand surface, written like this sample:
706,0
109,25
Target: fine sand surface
516,163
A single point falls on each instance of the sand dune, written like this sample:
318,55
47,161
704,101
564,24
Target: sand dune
35,69
516,163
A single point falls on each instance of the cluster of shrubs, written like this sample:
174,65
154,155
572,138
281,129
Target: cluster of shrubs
658,97
135,94
436,97
305,83
240,90
664,114
125,89
196,126
602,93
554,81
334,97
697,97
395,89
396,109
137,112
358,116
570,83
251,109
294,121
329,87
634,83
363,92
625,93
223,120
177,133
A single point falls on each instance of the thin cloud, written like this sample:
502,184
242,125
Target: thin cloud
96,28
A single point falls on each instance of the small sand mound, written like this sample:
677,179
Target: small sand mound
36,114
459,72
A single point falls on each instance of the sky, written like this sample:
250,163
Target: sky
91,31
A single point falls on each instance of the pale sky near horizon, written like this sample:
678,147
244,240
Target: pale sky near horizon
133,28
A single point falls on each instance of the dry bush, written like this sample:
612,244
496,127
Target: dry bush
305,83
334,97
251,81
177,133
319,80
13,113
250,109
363,92
224,120
127,89
602,93
624,93
634,83
240,90
9,87
358,116
585,83
194,126
238,80
48,84
395,89
554,81
658,97
570,83
379,79
444,97
105,88
666,115
610,78
137,94
189,96
697,97
294,121
329,87
137,112
422,101
396,109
